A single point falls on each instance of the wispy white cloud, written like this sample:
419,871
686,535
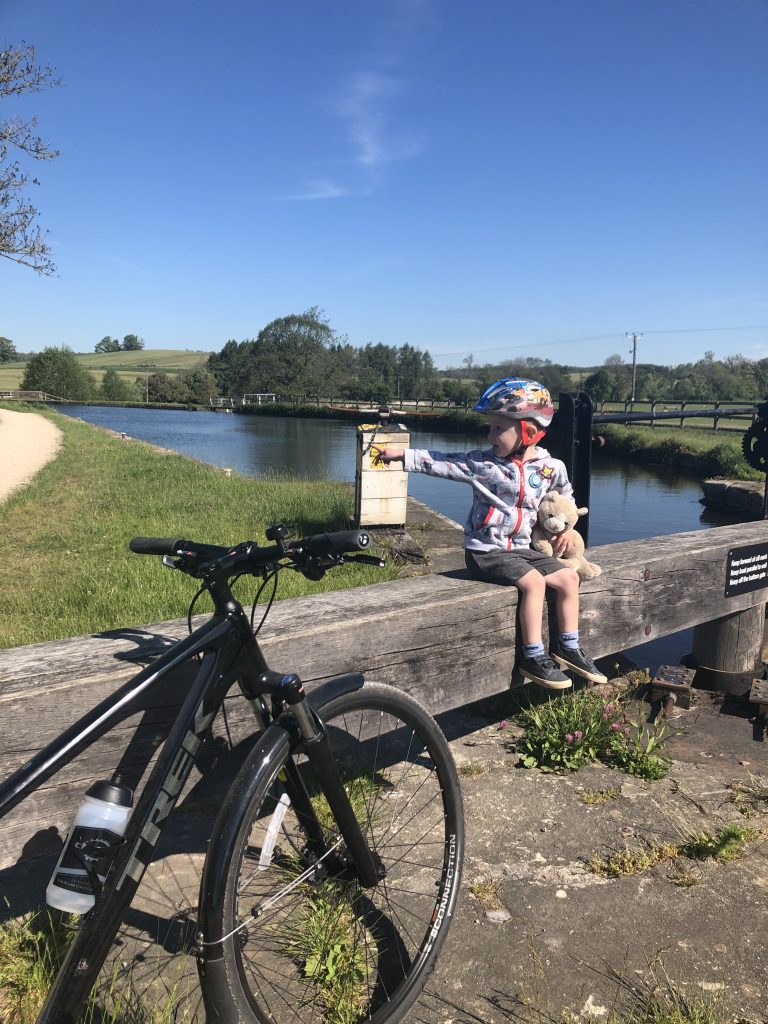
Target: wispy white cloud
754,300
326,190
364,107
121,262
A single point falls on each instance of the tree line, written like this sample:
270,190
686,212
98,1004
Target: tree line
300,357
130,343
59,372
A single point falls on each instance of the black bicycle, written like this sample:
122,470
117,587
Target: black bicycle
335,860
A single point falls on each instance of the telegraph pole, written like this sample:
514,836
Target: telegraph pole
634,338
146,367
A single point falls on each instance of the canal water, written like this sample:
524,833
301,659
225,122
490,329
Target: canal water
628,502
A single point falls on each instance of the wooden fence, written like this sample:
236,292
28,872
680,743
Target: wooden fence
443,637
30,396
724,415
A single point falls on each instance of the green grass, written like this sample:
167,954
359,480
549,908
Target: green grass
750,796
596,797
695,451
651,997
64,538
702,423
331,945
10,376
487,892
330,942
32,950
165,360
632,861
727,844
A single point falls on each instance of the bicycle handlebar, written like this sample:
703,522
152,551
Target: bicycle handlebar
154,545
249,557
335,543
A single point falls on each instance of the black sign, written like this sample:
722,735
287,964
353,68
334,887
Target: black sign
746,569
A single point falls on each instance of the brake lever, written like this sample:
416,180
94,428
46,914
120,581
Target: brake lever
366,560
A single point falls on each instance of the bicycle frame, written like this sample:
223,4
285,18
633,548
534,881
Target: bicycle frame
230,652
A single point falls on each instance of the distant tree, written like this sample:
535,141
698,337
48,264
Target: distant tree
7,351
600,385
132,343
20,239
459,392
342,367
200,387
377,369
289,357
115,388
107,344
292,354
614,360
415,372
162,387
58,372
233,366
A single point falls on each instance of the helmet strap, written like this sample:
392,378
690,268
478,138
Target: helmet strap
530,434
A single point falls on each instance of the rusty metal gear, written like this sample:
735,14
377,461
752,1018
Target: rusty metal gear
754,445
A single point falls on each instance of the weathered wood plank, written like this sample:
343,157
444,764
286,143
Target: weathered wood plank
445,638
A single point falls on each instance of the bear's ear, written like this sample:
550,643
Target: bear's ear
582,511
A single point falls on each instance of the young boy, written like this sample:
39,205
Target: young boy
508,481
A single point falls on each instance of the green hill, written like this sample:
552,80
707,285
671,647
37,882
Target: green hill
128,364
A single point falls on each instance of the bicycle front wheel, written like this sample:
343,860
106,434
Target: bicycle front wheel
306,941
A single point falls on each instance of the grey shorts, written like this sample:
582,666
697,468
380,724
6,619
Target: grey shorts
507,567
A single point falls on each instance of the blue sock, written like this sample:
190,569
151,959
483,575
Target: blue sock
531,650
570,640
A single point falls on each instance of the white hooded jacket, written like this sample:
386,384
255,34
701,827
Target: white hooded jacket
505,492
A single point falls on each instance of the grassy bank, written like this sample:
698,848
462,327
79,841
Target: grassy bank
67,569
698,452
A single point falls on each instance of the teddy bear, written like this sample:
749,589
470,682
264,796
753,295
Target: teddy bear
555,515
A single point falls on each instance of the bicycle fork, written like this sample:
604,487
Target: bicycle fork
316,745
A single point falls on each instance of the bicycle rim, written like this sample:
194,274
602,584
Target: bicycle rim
314,945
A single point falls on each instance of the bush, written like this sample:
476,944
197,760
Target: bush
578,728
58,372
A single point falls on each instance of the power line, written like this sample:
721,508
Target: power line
698,330
604,337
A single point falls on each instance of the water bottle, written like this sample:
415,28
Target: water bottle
91,843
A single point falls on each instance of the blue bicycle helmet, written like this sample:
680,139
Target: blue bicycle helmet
518,398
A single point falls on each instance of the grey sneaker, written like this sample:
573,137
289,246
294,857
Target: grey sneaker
575,659
542,670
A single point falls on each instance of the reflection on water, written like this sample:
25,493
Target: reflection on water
627,502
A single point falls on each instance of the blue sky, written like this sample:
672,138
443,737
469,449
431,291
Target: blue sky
498,177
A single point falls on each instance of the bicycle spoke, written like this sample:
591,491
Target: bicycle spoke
324,948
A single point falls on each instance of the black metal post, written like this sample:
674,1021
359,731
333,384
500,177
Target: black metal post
570,440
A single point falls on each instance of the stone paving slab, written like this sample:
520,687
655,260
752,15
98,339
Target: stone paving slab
562,927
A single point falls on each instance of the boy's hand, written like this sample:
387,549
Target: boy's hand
387,455
562,541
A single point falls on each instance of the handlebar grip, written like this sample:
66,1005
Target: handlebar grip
336,543
155,545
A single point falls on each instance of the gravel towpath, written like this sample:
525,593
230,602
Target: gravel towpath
27,442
